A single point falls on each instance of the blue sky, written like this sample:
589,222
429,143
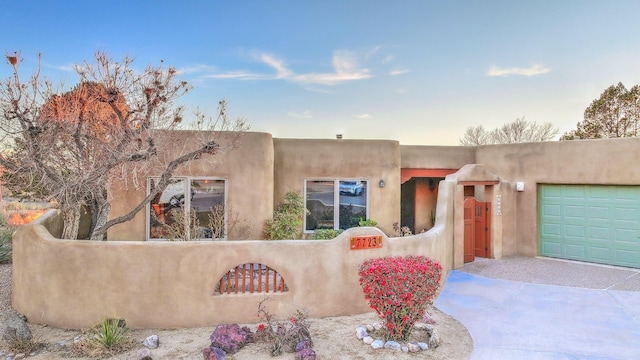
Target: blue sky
419,72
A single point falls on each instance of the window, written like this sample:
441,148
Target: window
192,208
335,204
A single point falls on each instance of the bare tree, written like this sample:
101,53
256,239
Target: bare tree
70,146
474,136
518,131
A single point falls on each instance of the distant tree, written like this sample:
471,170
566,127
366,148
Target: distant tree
518,131
69,146
474,136
614,114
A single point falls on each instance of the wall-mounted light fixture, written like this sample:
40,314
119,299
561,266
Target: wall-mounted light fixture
519,186
381,183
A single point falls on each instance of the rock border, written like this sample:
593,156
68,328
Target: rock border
362,333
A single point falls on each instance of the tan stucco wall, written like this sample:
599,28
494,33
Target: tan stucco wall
436,157
591,162
77,283
296,160
247,168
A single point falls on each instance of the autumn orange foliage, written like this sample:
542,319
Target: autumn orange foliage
88,105
24,217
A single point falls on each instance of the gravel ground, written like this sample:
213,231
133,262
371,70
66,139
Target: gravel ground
549,271
5,287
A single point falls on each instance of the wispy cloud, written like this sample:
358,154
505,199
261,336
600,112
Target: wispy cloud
197,69
65,68
398,72
281,70
346,69
534,70
240,75
303,115
364,116
345,64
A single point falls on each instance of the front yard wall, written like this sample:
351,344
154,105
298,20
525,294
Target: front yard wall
78,283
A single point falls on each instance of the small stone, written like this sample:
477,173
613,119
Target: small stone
405,349
14,327
427,319
151,342
370,328
229,337
306,354
19,356
377,326
419,326
413,347
377,344
434,339
423,345
145,354
393,345
428,328
368,340
214,353
303,344
361,332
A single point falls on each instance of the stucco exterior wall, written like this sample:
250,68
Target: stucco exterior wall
296,160
247,168
592,162
436,157
78,283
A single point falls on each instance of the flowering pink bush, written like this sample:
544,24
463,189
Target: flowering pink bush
399,289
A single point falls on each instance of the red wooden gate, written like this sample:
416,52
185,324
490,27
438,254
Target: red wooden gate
477,231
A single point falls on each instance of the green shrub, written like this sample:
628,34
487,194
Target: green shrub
367,222
108,338
110,334
326,234
24,346
5,244
287,218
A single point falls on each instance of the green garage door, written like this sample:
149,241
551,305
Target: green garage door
592,223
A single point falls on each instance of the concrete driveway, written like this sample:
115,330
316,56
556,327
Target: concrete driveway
536,308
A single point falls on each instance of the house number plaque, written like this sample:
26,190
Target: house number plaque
366,242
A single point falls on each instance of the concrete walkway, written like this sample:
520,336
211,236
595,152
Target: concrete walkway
535,308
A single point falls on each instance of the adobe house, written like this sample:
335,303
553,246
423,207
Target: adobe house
577,200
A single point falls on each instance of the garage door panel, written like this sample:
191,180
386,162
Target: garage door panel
572,230
554,249
575,251
627,258
598,233
626,236
591,223
601,254
552,210
626,213
574,212
599,213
